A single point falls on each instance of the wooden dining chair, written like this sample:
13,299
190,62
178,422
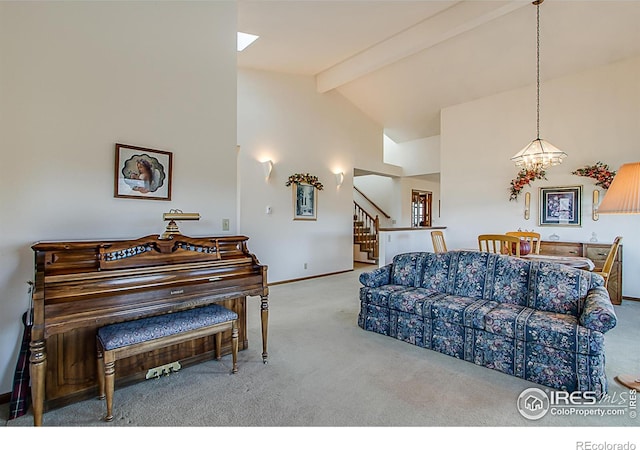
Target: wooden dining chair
530,236
439,245
608,263
499,243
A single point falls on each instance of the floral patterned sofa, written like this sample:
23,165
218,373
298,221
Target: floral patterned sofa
539,321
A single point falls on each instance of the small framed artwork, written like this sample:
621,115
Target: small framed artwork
561,206
305,205
142,173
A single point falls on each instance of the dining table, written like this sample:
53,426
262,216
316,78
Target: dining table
579,262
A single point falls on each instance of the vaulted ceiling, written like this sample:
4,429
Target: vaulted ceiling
401,61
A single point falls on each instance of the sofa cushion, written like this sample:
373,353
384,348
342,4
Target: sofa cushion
379,296
404,268
412,300
502,319
435,269
558,288
449,308
470,273
560,331
509,279
563,332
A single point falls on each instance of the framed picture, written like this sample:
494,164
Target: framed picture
142,173
561,206
305,205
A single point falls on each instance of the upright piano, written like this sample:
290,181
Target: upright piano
81,286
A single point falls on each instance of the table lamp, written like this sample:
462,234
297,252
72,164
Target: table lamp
172,227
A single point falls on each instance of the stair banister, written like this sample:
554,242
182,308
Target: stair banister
366,231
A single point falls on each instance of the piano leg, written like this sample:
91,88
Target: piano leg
264,316
37,371
100,373
109,382
234,345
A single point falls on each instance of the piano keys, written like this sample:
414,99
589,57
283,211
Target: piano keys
81,286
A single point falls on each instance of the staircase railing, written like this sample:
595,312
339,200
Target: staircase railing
372,203
367,231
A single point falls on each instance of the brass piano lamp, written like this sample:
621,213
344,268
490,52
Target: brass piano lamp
172,226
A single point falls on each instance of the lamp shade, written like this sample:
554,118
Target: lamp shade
623,196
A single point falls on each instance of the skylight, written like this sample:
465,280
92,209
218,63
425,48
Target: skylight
245,40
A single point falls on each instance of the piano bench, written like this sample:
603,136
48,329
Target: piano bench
124,339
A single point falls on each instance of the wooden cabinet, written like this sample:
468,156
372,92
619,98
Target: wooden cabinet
596,252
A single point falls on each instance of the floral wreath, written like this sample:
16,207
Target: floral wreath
305,178
525,177
598,171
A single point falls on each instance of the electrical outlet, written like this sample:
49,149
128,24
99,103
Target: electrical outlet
305,266
225,224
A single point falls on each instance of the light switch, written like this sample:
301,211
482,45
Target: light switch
268,210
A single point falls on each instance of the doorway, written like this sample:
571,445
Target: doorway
421,208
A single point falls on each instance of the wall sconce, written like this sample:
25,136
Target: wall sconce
267,167
527,205
596,198
172,227
339,178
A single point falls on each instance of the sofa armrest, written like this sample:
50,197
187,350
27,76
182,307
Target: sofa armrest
598,313
376,278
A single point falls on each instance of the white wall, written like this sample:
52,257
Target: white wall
380,190
77,77
283,118
417,157
592,116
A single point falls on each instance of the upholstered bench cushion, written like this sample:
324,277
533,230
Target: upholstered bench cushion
142,330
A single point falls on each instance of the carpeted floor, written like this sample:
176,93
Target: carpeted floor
325,371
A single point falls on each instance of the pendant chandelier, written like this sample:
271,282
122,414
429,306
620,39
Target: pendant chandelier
539,154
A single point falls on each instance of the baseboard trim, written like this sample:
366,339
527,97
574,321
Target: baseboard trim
633,299
309,278
5,398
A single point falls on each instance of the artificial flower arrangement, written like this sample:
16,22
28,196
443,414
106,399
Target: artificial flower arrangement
525,177
599,172
305,178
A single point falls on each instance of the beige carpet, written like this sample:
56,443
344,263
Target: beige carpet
324,371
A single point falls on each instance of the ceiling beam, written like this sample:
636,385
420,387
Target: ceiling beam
461,17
